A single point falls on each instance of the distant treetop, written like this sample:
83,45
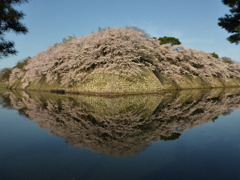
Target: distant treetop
169,40
215,55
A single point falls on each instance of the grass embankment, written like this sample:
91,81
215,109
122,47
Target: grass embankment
105,84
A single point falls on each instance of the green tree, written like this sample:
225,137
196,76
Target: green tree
5,74
10,22
169,40
231,22
214,55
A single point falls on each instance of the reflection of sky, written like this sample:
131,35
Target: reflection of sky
210,150
193,22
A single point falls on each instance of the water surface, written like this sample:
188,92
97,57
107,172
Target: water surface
175,135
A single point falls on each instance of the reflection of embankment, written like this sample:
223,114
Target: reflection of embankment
124,125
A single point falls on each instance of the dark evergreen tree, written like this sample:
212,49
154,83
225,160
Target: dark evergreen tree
214,55
169,40
10,21
231,22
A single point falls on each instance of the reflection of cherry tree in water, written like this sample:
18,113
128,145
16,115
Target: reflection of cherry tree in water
125,125
121,52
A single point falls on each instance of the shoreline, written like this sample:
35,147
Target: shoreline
117,94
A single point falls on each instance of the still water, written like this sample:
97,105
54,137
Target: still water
174,135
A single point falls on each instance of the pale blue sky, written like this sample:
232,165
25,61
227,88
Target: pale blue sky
194,22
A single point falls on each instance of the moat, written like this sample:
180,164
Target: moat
192,134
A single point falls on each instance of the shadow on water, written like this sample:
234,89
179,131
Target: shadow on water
121,126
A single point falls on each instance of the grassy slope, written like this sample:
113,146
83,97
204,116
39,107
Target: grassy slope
105,83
